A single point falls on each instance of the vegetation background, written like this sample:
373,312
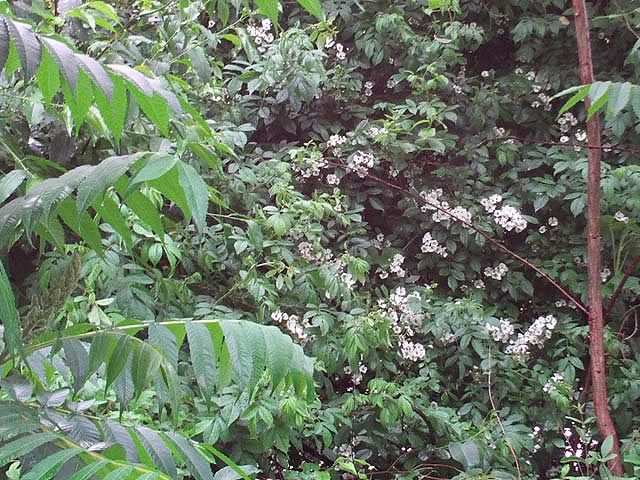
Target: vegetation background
338,239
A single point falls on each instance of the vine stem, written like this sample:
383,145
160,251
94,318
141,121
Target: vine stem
564,292
495,411
594,259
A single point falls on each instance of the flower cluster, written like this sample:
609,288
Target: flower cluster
336,140
431,245
360,163
379,242
412,351
293,325
621,217
510,218
261,34
339,48
406,319
368,88
551,384
356,378
395,266
566,121
375,131
324,257
491,203
536,335
536,437
333,179
502,332
441,209
496,272
310,165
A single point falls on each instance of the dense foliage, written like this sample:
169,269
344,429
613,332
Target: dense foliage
312,240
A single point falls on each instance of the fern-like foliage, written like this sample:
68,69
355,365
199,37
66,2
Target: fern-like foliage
83,81
75,198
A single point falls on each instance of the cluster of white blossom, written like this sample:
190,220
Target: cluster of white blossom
537,334
393,171
621,217
605,273
551,384
566,121
368,88
356,378
339,48
510,218
447,338
431,245
261,34
336,140
412,351
333,179
496,272
395,267
374,131
479,284
379,242
536,436
311,166
360,163
405,321
441,209
491,203
293,324
324,257
502,332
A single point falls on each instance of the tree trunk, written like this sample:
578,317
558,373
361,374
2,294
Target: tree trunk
596,321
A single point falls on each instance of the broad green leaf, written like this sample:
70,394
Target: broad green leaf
86,228
240,351
102,346
89,471
196,463
270,9
4,44
24,445
157,450
27,46
121,473
165,342
98,74
47,468
9,315
598,95
65,60
110,212
155,107
77,360
619,96
314,7
114,110
145,364
580,95
118,359
279,351
156,165
17,387
169,186
146,211
466,453
48,76
196,193
119,434
103,176
203,358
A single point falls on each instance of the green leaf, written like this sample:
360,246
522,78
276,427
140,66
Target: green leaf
110,212
24,445
10,182
619,96
146,211
156,108
103,176
144,365
65,60
17,387
118,359
196,463
77,359
269,8
156,165
27,46
47,468
9,315
203,358
466,453
579,96
121,473
240,351
196,193
89,471
114,110
4,44
86,228
314,7
102,346
598,95
157,450
279,353
48,77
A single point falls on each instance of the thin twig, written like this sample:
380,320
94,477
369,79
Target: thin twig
627,273
606,147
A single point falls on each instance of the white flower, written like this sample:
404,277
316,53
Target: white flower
412,351
502,332
621,217
564,139
490,203
336,140
497,272
510,218
605,274
479,284
333,179
552,222
485,74
360,163
431,245
536,335
581,135
542,229
396,265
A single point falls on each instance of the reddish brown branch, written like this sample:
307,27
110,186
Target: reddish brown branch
596,318
616,293
613,148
